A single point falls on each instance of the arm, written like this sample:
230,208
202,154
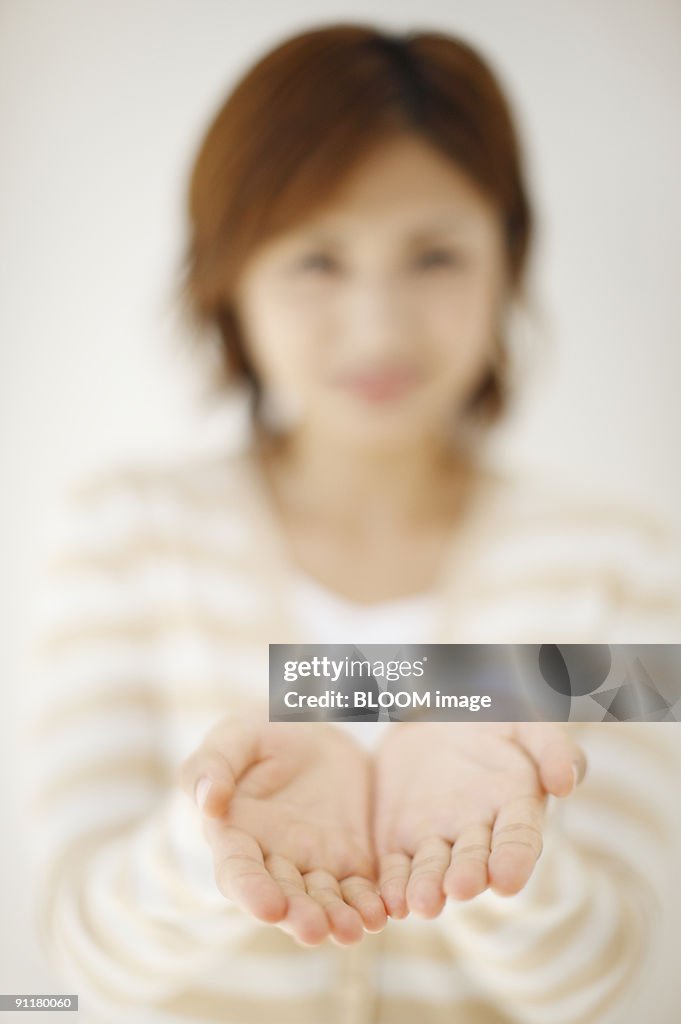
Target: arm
125,899
565,948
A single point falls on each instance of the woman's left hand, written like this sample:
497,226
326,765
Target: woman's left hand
460,807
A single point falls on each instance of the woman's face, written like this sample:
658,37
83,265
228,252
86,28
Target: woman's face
373,320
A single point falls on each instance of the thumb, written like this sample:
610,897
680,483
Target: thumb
209,776
560,762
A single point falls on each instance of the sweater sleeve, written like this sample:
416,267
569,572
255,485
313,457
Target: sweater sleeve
566,949
125,901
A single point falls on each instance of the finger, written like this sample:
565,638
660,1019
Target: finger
425,895
361,894
210,774
394,871
241,875
304,916
344,921
561,761
516,845
466,875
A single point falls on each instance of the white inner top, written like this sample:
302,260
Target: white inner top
329,618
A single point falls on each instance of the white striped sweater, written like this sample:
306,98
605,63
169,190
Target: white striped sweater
160,604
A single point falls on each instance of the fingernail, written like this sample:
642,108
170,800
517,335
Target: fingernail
202,790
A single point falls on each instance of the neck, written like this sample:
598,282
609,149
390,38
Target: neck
366,490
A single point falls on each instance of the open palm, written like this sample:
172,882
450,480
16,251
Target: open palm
293,842
459,806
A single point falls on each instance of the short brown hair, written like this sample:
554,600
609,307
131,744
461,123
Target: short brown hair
299,120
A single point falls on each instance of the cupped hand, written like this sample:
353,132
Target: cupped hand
460,807
287,817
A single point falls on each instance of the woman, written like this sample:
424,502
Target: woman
359,228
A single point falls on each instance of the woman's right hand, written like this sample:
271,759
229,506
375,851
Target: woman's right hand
287,816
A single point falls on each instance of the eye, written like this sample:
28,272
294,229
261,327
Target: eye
318,262
438,257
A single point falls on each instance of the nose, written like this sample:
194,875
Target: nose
376,323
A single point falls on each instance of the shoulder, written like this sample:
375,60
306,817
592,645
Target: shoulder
554,535
528,505
146,502
200,479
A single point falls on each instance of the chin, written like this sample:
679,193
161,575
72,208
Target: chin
369,435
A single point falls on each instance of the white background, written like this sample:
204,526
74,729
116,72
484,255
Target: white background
101,105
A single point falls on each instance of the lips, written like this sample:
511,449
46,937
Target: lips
381,384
